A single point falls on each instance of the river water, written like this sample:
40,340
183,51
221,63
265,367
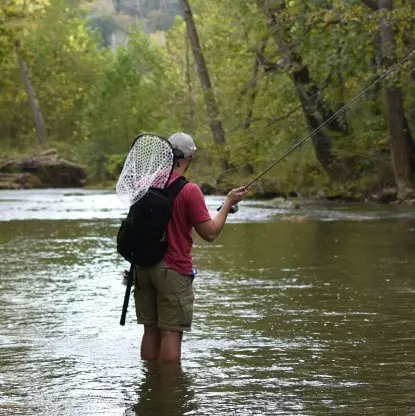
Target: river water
306,311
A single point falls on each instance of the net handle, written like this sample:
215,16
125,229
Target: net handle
159,137
149,134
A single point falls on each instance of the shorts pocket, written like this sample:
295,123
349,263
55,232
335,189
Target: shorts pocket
186,305
175,296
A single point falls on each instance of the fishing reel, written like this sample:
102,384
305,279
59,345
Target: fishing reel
234,209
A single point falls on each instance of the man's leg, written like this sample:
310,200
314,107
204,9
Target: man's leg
175,298
146,311
150,344
171,346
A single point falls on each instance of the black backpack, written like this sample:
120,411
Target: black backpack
141,239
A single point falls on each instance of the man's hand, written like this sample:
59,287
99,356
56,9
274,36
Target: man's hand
235,195
209,230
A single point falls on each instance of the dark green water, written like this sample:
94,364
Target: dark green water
313,317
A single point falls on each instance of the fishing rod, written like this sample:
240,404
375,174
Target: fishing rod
343,109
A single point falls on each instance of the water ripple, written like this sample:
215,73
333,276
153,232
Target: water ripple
309,318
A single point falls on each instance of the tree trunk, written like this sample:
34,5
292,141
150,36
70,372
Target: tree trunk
315,110
251,88
322,143
213,113
400,137
251,93
31,96
409,42
190,92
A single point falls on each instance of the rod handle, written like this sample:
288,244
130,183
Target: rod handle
234,209
127,296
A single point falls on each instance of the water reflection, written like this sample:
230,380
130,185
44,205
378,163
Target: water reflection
311,318
165,390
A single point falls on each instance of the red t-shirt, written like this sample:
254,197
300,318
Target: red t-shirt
189,209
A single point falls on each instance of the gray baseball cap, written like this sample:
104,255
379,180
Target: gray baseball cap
183,142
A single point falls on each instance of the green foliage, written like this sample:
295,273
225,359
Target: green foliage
114,166
156,14
133,95
339,43
95,100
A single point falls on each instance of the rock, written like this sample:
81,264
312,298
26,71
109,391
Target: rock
49,152
407,194
45,170
386,195
22,180
283,203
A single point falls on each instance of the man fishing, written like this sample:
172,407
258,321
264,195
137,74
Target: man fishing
164,294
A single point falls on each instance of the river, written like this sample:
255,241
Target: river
307,311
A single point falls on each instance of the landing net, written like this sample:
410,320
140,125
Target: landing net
149,164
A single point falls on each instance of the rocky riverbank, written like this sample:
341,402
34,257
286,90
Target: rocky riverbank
44,170
386,195
48,170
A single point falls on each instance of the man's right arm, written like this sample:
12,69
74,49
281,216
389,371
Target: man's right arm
210,230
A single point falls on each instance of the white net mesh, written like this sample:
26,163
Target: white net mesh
148,164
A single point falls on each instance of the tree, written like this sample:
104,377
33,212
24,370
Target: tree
209,96
31,97
134,94
314,107
402,147
401,144
14,18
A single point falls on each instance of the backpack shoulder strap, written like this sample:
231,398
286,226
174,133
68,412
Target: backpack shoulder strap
176,186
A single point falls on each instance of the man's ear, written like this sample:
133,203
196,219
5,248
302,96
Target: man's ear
190,158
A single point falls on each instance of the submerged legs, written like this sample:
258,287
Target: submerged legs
162,345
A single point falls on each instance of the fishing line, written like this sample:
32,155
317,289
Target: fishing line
333,117
341,111
270,121
260,159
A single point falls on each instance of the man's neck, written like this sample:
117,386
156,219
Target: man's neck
180,170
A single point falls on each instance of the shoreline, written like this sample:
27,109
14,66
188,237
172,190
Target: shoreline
386,196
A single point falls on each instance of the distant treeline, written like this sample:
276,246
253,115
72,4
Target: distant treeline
152,15
248,79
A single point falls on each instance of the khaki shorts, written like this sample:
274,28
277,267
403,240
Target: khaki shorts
163,298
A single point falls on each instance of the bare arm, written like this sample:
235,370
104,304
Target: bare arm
210,230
